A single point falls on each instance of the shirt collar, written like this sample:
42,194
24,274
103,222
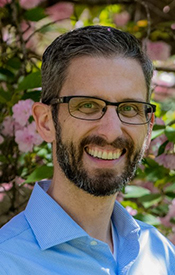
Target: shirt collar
51,225
124,223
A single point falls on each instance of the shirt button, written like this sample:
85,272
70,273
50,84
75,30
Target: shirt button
93,243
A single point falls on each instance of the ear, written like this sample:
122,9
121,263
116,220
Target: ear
43,118
150,127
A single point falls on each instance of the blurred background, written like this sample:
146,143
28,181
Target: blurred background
26,29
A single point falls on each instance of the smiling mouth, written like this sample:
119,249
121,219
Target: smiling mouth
104,154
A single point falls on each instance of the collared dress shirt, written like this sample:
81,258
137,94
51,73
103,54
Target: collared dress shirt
44,240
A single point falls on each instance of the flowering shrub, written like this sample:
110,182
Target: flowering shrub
18,126
27,27
158,50
121,19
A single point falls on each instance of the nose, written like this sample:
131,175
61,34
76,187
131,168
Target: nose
110,126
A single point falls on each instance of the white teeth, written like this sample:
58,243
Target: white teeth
110,155
117,155
99,155
104,154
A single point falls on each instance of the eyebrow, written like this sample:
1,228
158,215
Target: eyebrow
133,99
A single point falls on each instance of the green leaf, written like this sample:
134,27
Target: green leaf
170,188
160,210
31,81
158,127
150,199
170,195
162,148
6,74
157,133
149,162
154,171
135,191
147,218
35,14
14,63
2,158
34,95
42,172
170,133
172,220
78,9
4,96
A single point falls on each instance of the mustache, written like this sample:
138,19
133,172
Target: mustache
118,143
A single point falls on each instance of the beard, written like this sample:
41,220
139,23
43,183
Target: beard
103,182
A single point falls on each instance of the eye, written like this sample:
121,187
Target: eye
89,107
128,109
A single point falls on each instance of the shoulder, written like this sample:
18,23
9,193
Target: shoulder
16,240
158,242
17,229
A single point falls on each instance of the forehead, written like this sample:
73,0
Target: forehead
114,78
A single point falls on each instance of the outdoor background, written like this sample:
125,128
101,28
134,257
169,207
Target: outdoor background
26,29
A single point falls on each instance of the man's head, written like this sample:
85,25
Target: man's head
96,41
97,142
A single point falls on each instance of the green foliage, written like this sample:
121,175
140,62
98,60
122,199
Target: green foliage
35,14
135,192
31,81
38,173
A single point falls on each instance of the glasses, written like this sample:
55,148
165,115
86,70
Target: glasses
92,108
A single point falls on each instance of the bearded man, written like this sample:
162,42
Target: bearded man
95,110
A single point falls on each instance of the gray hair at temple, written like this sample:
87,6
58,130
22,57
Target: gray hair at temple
94,41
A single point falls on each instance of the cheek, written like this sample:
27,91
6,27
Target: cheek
70,131
142,136
138,135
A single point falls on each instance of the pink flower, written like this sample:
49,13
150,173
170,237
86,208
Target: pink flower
171,237
163,79
8,126
28,28
4,187
173,26
131,211
171,214
29,4
163,83
37,140
121,19
19,180
60,11
149,185
167,160
27,137
159,121
4,2
119,197
22,111
157,142
158,50
1,139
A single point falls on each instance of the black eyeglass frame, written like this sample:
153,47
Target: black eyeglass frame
66,99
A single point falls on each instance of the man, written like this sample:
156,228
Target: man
95,111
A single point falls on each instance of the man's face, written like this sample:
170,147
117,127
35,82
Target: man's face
83,148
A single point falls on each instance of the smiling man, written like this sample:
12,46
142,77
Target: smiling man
95,111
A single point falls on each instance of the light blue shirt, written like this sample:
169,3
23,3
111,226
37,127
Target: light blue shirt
45,240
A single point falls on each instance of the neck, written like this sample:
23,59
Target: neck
92,213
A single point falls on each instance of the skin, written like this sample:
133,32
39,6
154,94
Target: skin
113,79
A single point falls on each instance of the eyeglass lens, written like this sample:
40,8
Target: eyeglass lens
93,109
